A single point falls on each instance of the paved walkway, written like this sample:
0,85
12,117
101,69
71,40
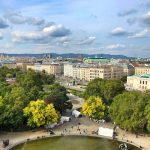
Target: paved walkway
86,128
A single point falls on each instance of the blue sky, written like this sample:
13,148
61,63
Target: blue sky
79,26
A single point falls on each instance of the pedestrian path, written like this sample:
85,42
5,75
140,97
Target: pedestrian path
79,126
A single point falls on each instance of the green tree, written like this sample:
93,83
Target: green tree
112,88
2,108
94,108
5,88
15,97
127,110
48,79
94,88
14,103
9,75
147,115
57,95
106,89
38,114
124,79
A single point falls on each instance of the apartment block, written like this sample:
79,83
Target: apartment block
88,73
23,66
142,70
55,69
128,69
10,65
116,72
68,70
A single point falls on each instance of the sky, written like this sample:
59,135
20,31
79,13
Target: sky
75,26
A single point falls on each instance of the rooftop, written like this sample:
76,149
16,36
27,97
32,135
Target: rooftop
142,76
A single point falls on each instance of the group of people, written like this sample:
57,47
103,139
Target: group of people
74,130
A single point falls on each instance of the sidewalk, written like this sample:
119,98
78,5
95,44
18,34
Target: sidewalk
86,124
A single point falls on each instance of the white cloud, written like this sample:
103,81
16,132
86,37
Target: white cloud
142,34
119,31
3,24
44,36
19,36
18,18
115,46
56,30
88,40
146,19
127,12
1,36
7,46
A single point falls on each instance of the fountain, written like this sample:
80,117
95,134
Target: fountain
73,143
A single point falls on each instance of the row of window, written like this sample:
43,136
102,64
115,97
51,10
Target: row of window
143,82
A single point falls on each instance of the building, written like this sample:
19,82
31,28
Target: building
142,70
55,69
128,69
90,72
23,66
138,82
10,65
96,60
116,72
68,70
83,73
100,72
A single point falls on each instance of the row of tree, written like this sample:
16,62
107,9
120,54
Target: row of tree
108,98
131,111
29,87
106,89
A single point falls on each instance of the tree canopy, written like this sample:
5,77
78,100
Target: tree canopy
94,108
147,115
106,89
29,86
127,110
39,114
57,95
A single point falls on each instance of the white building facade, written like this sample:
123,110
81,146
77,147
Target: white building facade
138,82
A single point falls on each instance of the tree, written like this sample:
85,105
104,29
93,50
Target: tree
33,82
94,108
9,75
14,102
147,115
2,108
127,110
5,88
31,79
38,114
57,95
48,79
15,97
6,72
94,88
111,88
124,79
106,89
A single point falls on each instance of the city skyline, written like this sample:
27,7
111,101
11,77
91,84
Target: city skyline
78,26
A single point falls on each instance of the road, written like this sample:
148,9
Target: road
74,88
76,98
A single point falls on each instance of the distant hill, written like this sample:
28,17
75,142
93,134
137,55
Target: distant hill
70,55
